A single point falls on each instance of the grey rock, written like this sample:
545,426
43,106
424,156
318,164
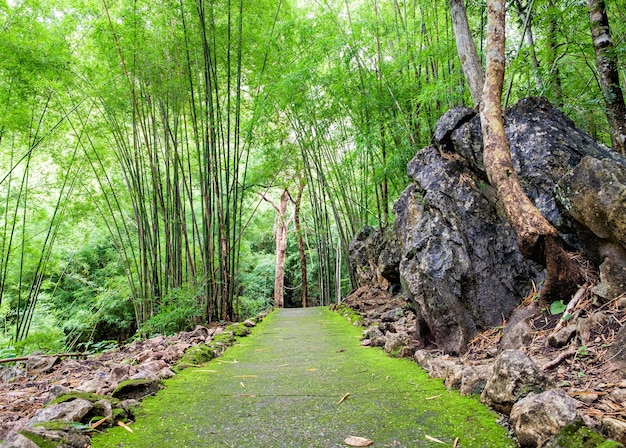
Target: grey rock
460,264
374,257
441,367
16,440
56,391
514,377
395,341
474,379
617,352
613,429
249,323
58,438
562,337
423,358
539,417
454,377
68,411
517,337
97,386
41,363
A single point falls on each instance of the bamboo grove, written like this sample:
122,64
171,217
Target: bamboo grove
138,140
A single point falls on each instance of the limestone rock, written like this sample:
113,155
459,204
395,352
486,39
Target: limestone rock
16,440
514,377
68,411
562,337
614,429
538,417
474,379
460,264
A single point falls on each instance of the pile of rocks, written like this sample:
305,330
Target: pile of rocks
51,401
549,388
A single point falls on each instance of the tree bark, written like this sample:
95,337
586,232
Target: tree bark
606,62
301,249
537,238
466,48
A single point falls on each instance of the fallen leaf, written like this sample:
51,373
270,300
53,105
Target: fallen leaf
284,365
99,422
432,439
357,441
246,395
242,385
124,425
206,370
456,443
433,397
346,395
246,376
311,370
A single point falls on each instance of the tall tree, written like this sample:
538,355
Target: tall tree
466,48
606,62
536,237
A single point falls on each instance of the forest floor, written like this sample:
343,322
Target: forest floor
583,367
302,379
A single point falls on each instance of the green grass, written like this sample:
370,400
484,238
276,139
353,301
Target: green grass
281,387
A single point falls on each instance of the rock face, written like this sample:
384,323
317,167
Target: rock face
375,258
460,263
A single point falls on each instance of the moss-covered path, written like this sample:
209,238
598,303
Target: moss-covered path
282,386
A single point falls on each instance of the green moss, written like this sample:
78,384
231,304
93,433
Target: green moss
39,440
89,396
238,330
577,435
197,355
225,338
350,314
136,389
288,377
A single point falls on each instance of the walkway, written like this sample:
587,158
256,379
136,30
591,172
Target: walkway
283,386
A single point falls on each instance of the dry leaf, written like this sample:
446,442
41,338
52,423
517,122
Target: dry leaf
99,422
311,370
432,439
124,425
357,441
242,385
432,398
346,395
456,443
246,376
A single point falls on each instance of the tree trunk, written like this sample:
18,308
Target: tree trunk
301,250
606,62
281,250
466,48
536,237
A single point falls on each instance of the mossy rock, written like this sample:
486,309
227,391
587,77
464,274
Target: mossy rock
349,314
198,354
136,389
89,396
50,438
238,330
225,338
577,435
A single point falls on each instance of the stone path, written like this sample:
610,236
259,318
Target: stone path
283,386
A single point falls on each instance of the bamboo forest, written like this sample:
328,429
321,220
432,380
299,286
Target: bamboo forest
175,162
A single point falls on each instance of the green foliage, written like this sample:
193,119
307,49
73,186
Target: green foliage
557,307
178,311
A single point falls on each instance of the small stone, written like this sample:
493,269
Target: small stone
562,337
249,323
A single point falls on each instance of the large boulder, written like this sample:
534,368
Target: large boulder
374,258
460,263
